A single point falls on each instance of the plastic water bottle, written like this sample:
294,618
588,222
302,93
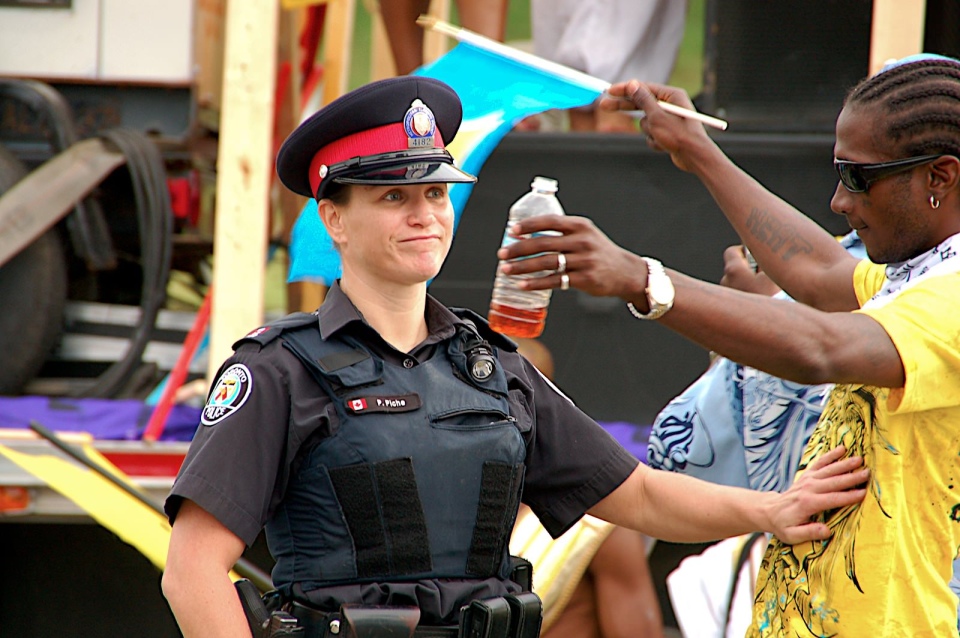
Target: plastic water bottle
513,311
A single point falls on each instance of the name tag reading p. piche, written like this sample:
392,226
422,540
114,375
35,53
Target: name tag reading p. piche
398,403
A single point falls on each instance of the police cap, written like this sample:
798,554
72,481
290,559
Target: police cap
393,131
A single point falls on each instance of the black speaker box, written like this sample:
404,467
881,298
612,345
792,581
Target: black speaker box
787,65
616,367
942,28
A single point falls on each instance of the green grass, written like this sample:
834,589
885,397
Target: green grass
687,73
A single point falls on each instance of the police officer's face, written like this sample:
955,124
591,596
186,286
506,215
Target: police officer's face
396,233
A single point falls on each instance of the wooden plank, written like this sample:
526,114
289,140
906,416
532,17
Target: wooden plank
208,52
381,57
305,296
896,30
45,195
244,173
16,434
288,113
337,43
288,117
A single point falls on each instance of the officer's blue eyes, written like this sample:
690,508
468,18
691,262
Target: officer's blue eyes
433,193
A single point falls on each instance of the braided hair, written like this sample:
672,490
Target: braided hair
921,98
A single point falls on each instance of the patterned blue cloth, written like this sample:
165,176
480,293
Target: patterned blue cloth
739,426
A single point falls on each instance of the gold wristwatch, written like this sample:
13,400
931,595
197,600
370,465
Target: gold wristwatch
659,291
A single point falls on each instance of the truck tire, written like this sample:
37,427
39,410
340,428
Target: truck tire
33,293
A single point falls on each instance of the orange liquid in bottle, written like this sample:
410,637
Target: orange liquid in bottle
515,322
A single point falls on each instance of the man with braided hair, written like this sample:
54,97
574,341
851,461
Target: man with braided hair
883,330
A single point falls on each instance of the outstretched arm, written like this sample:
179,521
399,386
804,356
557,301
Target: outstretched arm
683,509
788,340
196,581
798,254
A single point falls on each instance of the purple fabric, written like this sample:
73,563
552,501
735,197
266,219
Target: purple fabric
110,419
125,420
630,435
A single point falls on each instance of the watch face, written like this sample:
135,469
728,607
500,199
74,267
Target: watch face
659,287
660,291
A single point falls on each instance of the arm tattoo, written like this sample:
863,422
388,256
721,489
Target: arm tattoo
779,237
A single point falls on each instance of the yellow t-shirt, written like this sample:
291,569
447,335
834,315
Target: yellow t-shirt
886,569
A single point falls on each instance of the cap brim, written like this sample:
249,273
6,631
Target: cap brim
417,173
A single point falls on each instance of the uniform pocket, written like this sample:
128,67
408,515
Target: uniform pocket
471,419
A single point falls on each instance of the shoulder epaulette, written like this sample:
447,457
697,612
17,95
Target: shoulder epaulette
270,331
483,327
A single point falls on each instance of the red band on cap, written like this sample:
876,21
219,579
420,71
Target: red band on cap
390,138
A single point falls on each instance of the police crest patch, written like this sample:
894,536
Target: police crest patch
228,395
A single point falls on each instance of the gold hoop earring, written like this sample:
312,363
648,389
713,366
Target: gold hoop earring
934,203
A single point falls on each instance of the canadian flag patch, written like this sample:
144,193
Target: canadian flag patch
357,405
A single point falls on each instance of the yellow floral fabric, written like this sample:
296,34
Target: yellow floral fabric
886,570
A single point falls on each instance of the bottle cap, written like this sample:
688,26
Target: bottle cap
544,184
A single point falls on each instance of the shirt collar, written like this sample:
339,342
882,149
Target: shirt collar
337,312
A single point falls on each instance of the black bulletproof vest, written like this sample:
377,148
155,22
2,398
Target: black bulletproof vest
421,479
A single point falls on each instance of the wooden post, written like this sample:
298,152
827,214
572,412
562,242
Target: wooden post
381,58
896,30
244,170
208,52
435,44
337,42
288,117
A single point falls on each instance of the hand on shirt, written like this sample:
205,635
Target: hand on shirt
830,482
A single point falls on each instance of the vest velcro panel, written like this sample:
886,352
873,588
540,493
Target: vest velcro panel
390,538
403,517
354,486
340,360
499,493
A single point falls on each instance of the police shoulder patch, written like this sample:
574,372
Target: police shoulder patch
228,394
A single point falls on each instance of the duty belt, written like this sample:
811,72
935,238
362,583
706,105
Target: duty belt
509,616
360,621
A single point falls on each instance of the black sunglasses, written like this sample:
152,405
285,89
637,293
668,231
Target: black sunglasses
857,177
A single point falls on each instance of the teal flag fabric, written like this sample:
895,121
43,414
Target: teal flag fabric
496,92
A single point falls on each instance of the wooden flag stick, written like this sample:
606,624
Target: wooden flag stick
588,81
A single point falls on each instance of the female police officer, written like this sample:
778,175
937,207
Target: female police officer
383,440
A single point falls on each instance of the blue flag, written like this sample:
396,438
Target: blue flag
497,92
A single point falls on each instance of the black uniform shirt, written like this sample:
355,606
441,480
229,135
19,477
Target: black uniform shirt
237,469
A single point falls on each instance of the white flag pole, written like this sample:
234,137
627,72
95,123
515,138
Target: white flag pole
587,81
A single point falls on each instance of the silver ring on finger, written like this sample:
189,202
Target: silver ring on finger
564,281
561,263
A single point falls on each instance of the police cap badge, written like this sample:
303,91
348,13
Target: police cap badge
373,135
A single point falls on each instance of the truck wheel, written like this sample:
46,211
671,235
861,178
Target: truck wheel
33,293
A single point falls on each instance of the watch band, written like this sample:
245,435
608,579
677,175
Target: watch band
656,277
